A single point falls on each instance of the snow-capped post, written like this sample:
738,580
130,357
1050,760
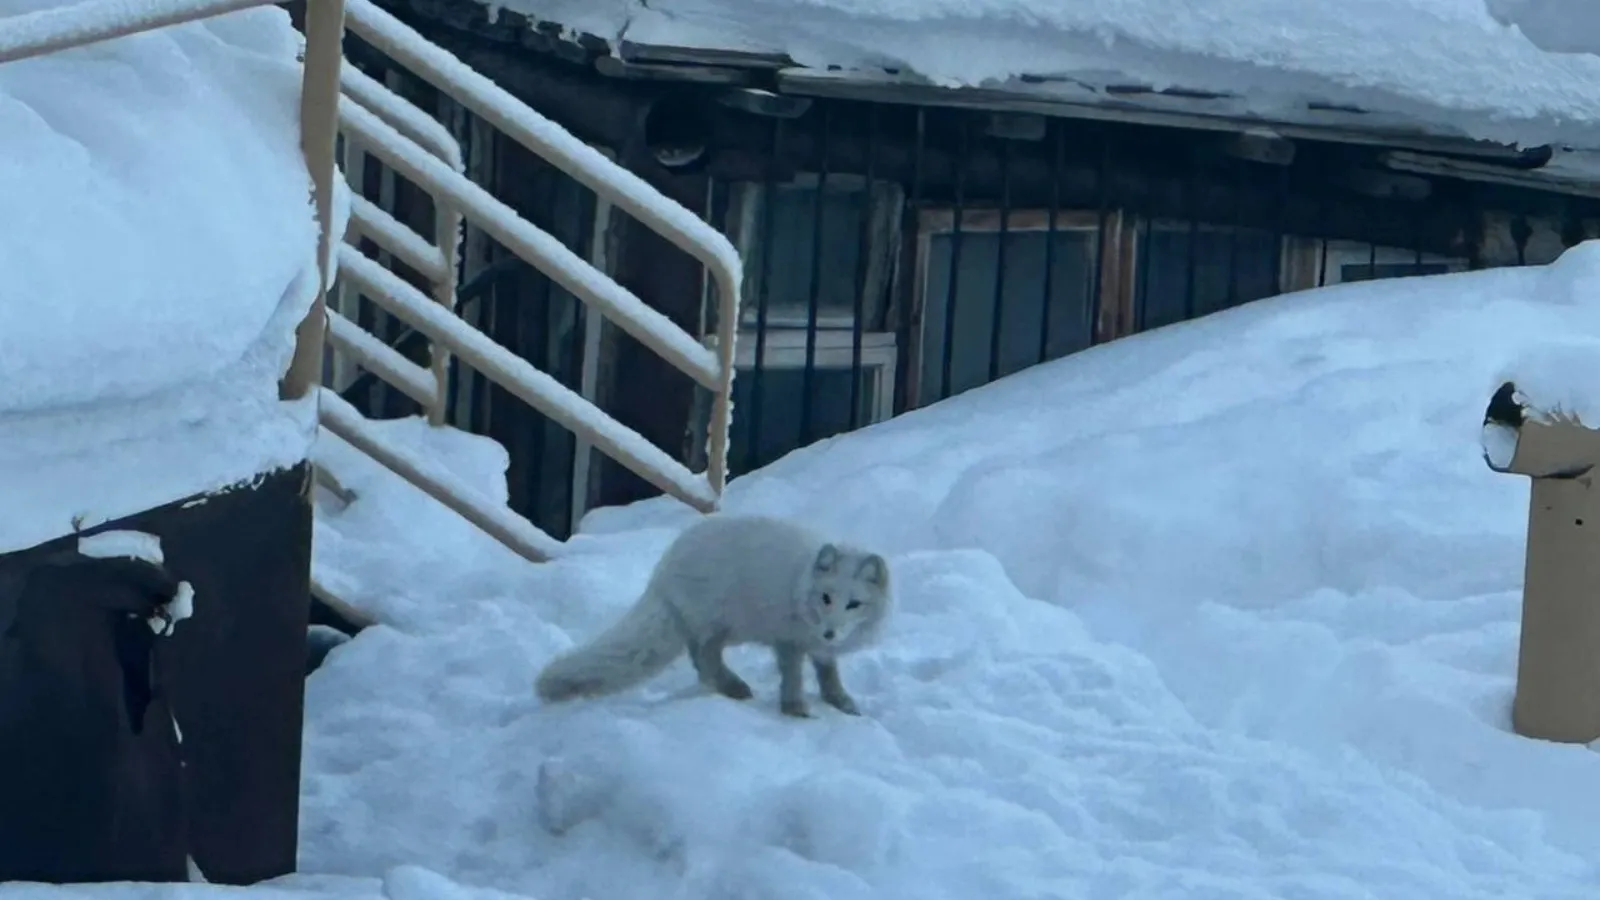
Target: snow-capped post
1532,433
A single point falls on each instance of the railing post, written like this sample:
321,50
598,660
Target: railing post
447,236
319,124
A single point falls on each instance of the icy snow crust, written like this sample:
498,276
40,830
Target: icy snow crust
1447,64
1228,609
159,248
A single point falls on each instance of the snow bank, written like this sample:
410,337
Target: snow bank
159,250
1227,609
1447,64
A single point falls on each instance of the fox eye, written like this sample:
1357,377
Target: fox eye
827,599
852,604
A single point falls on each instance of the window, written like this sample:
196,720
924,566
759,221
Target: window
851,249
780,412
1347,261
855,219
1186,270
961,277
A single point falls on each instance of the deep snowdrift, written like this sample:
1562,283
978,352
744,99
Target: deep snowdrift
159,248
1227,610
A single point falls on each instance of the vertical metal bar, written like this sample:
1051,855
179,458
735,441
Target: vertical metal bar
1372,261
1280,226
998,312
319,124
911,237
1051,221
769,190
447,230
1322,265
1141,315
1102,189
813,302
958,166
533,333
865,247
1191,247
1234,234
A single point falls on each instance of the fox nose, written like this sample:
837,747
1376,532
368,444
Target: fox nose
828,635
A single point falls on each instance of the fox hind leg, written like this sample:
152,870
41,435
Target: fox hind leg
706,656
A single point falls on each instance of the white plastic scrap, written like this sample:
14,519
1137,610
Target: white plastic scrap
169,614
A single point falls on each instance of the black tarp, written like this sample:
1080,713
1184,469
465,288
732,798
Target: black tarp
94,782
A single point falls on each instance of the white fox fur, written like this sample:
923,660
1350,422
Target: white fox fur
729,580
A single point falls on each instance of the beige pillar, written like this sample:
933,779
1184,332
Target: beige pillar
1558,659
319,126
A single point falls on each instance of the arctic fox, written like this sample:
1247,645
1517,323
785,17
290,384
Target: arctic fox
729,580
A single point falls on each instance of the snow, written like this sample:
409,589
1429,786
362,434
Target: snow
1445,64
1243,624
122,544
1559,26
160,248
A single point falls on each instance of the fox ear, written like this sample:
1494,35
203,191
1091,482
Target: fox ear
827,558
874,570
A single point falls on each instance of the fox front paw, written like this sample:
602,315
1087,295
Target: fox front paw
735,689
795,708
843,703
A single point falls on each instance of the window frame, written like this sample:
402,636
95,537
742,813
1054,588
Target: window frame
1135,237
1341,253
785,351
885,202
1113,312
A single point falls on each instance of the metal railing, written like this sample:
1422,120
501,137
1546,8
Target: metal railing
418,147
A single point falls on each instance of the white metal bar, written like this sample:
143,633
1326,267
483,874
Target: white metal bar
381,359
497,519
447,233
626,190
392,235
550,397
59,28
419,127
360,618
540,249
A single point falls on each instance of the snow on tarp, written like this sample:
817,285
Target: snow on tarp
1446,64
1225,609
157,248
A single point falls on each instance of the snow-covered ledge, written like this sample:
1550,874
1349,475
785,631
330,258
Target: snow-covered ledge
160,250
1537,425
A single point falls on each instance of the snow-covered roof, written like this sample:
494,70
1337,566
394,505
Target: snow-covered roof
157,247
1446,67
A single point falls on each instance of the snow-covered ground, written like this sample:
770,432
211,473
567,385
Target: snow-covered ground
1447,65
159,248
1228,609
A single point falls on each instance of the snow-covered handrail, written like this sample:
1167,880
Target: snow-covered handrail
613,183
51,30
